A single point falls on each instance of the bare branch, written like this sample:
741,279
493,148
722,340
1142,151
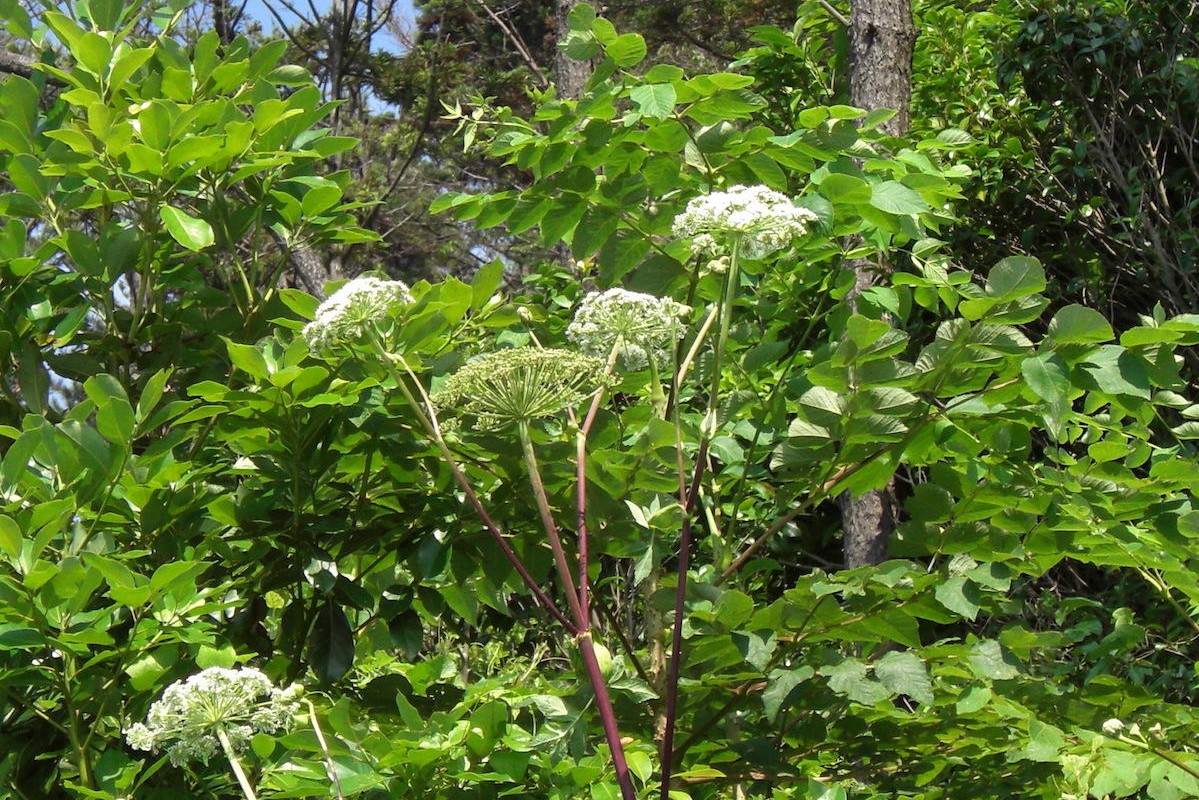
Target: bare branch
517,42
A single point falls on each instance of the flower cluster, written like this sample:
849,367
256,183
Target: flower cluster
348,313
186,718
516,386
764,221
641,326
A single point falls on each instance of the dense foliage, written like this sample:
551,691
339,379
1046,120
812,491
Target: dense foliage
522,539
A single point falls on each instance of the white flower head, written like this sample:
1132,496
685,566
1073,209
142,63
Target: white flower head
1113,727
762,219
184,721
640,325
349,311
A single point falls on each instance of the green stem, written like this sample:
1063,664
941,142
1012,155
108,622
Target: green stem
238,772
330,767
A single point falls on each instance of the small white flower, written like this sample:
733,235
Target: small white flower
762,219
348,313
184,721
1113,726
640,325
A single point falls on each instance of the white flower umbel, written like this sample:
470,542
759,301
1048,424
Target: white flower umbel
190,718
350,311
640,326
761,219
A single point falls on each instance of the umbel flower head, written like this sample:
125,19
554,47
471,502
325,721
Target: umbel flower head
510,387
640,325
184,721
349,311
762,219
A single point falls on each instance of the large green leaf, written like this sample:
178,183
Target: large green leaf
331,643
654,100
904,673
191,232
1077,324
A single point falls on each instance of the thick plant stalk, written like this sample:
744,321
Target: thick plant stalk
551,530
428,420
578,603
242,779
687,500
676,640
603,701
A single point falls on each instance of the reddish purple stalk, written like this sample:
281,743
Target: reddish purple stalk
680,600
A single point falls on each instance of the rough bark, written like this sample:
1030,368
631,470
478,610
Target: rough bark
570,76
16,64
881,39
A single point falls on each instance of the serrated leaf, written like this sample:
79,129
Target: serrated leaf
903,672
781,683
959,595
850,679
988,661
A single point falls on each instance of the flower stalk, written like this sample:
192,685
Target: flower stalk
242,779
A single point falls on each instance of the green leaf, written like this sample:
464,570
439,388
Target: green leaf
114,414
904,673
973,699
93,52
959,595
152,393
845,189
1015,277
989,661
10,537
782,682
192,232
581,17
895,198
627,50
331,644
1047,376
850,679
654,100
247,358
1077,324
486,281
1117,371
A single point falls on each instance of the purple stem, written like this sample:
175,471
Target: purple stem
680,598
607,716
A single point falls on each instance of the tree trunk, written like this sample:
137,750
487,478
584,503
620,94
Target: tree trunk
570,76
881,38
